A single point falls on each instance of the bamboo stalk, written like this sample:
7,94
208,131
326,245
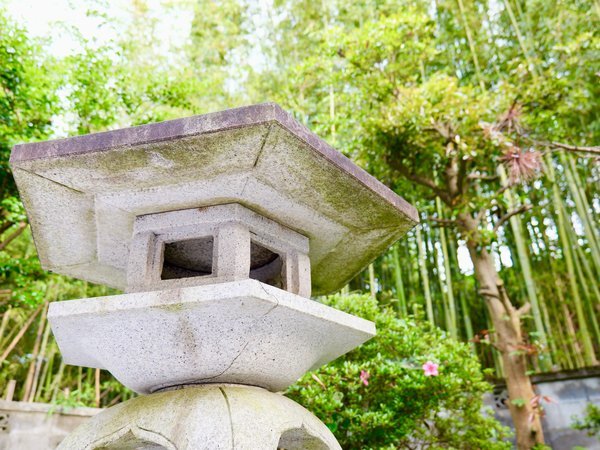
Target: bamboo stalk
372,282
588,348
449,287
424,276
568,362
57,381
7,240
79,383
14,328
436,273
97,387
467,321
114,401
526,18
555,303
5,319
589,273
586,293
411,273
471,45
34,354
399,283
559,335
46,376
580,206
532,67
551,343
571,332
39,361
20,334
10,390
495,354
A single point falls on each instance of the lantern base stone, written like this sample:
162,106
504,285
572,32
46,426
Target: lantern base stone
205,417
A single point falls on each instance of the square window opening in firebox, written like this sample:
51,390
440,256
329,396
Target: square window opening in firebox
265,265
188,258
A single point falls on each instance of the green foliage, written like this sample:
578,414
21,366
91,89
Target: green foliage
378,396
27,90
28,101
591,422
518,402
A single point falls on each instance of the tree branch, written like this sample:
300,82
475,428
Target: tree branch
443,222
5,226
462,176
524,309
444,130
451,172
14,235
488,293
572,148
502,190
423,181
510,310
477,176
492,201
509,214
577,149
481,215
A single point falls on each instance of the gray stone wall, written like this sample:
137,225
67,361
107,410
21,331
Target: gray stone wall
37,426
570,393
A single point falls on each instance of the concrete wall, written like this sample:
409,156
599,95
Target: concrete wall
570,393
37,426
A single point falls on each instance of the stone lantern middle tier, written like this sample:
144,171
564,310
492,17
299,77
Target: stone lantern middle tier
215,244
215,294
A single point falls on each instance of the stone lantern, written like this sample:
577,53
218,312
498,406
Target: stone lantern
217,227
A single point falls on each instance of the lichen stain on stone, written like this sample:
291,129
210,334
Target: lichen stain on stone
171,307
189,157
187,333
323,186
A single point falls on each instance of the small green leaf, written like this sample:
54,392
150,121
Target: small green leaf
518,402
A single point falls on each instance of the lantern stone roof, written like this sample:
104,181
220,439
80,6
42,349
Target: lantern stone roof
82,194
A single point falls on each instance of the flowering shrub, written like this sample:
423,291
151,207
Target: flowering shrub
411,386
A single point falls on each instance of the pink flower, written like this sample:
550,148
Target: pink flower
364,377
430,369
521,165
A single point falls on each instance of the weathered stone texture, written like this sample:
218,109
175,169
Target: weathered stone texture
243,332
82,194
209,417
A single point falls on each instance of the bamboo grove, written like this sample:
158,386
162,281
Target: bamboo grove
550,254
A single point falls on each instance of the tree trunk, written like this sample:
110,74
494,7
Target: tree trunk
508,338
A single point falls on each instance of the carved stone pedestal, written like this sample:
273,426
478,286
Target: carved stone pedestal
206,417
